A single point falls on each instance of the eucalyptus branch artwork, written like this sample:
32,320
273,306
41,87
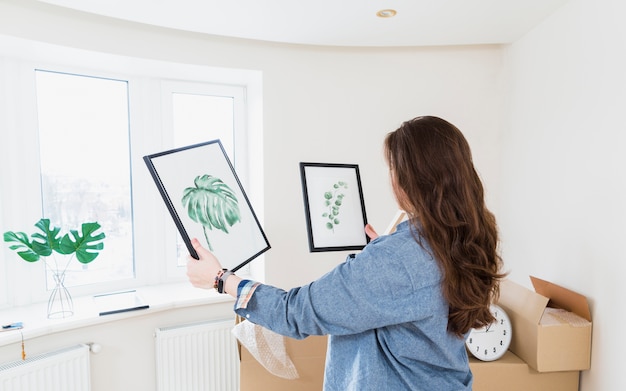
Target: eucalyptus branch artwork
334,206
333,200
212,204
206,200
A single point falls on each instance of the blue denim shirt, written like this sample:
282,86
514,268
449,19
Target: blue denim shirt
385,315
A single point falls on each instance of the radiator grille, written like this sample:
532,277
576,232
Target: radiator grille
65,369
197,357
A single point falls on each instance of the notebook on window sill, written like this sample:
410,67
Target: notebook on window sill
117,302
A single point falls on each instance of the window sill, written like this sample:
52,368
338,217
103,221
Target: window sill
86,313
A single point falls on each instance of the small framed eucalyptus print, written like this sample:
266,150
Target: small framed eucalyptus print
334,206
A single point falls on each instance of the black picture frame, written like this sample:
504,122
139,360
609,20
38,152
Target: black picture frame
334,206
206,200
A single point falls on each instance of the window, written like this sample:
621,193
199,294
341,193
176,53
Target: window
85,167
73,141
3,277
201,113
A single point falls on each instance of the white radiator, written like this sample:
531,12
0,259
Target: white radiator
60,370
197,357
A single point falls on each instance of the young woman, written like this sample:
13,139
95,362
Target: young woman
398,312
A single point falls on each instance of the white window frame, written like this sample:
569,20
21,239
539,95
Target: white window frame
240,141
24,283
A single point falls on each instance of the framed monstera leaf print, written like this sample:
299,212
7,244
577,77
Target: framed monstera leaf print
207,201
334,206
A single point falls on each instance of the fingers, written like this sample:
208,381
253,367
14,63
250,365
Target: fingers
202,252
195,243
201,272
370,232
197,247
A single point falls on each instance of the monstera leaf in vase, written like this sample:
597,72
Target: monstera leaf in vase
84,245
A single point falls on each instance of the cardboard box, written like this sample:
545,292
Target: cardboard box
308,355
508,373
511,373
545,338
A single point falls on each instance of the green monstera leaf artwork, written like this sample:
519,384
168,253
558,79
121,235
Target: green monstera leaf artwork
333,199
211,203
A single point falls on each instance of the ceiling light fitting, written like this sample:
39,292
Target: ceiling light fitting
386,13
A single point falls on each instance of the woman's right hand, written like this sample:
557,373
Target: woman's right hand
370,232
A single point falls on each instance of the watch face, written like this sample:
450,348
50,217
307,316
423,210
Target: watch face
491,342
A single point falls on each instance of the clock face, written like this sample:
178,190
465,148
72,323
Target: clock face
491,342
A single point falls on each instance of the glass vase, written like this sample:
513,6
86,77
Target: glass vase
60,303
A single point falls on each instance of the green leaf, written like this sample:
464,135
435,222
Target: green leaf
48,240
43,243
24,248
333,202
211,203
86,244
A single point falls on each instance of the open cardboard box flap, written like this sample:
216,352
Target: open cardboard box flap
559,346
523,303
562,298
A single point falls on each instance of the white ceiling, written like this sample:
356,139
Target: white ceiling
336,22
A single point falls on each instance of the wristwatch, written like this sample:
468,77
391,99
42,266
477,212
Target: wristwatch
222,279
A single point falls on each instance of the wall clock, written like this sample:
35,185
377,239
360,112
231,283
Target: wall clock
489,343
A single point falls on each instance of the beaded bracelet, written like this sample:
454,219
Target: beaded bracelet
221,276
218,278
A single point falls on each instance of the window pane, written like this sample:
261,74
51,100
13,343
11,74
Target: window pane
199,118
3,277
85,167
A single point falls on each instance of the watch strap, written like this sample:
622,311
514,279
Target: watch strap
222,279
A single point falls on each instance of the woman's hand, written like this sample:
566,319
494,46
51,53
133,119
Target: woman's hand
202,272
370,232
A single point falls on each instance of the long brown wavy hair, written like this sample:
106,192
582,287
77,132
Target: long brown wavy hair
435,182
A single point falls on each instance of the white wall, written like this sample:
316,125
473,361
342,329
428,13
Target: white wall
559,135
319,104
563,182
127,359
551,112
